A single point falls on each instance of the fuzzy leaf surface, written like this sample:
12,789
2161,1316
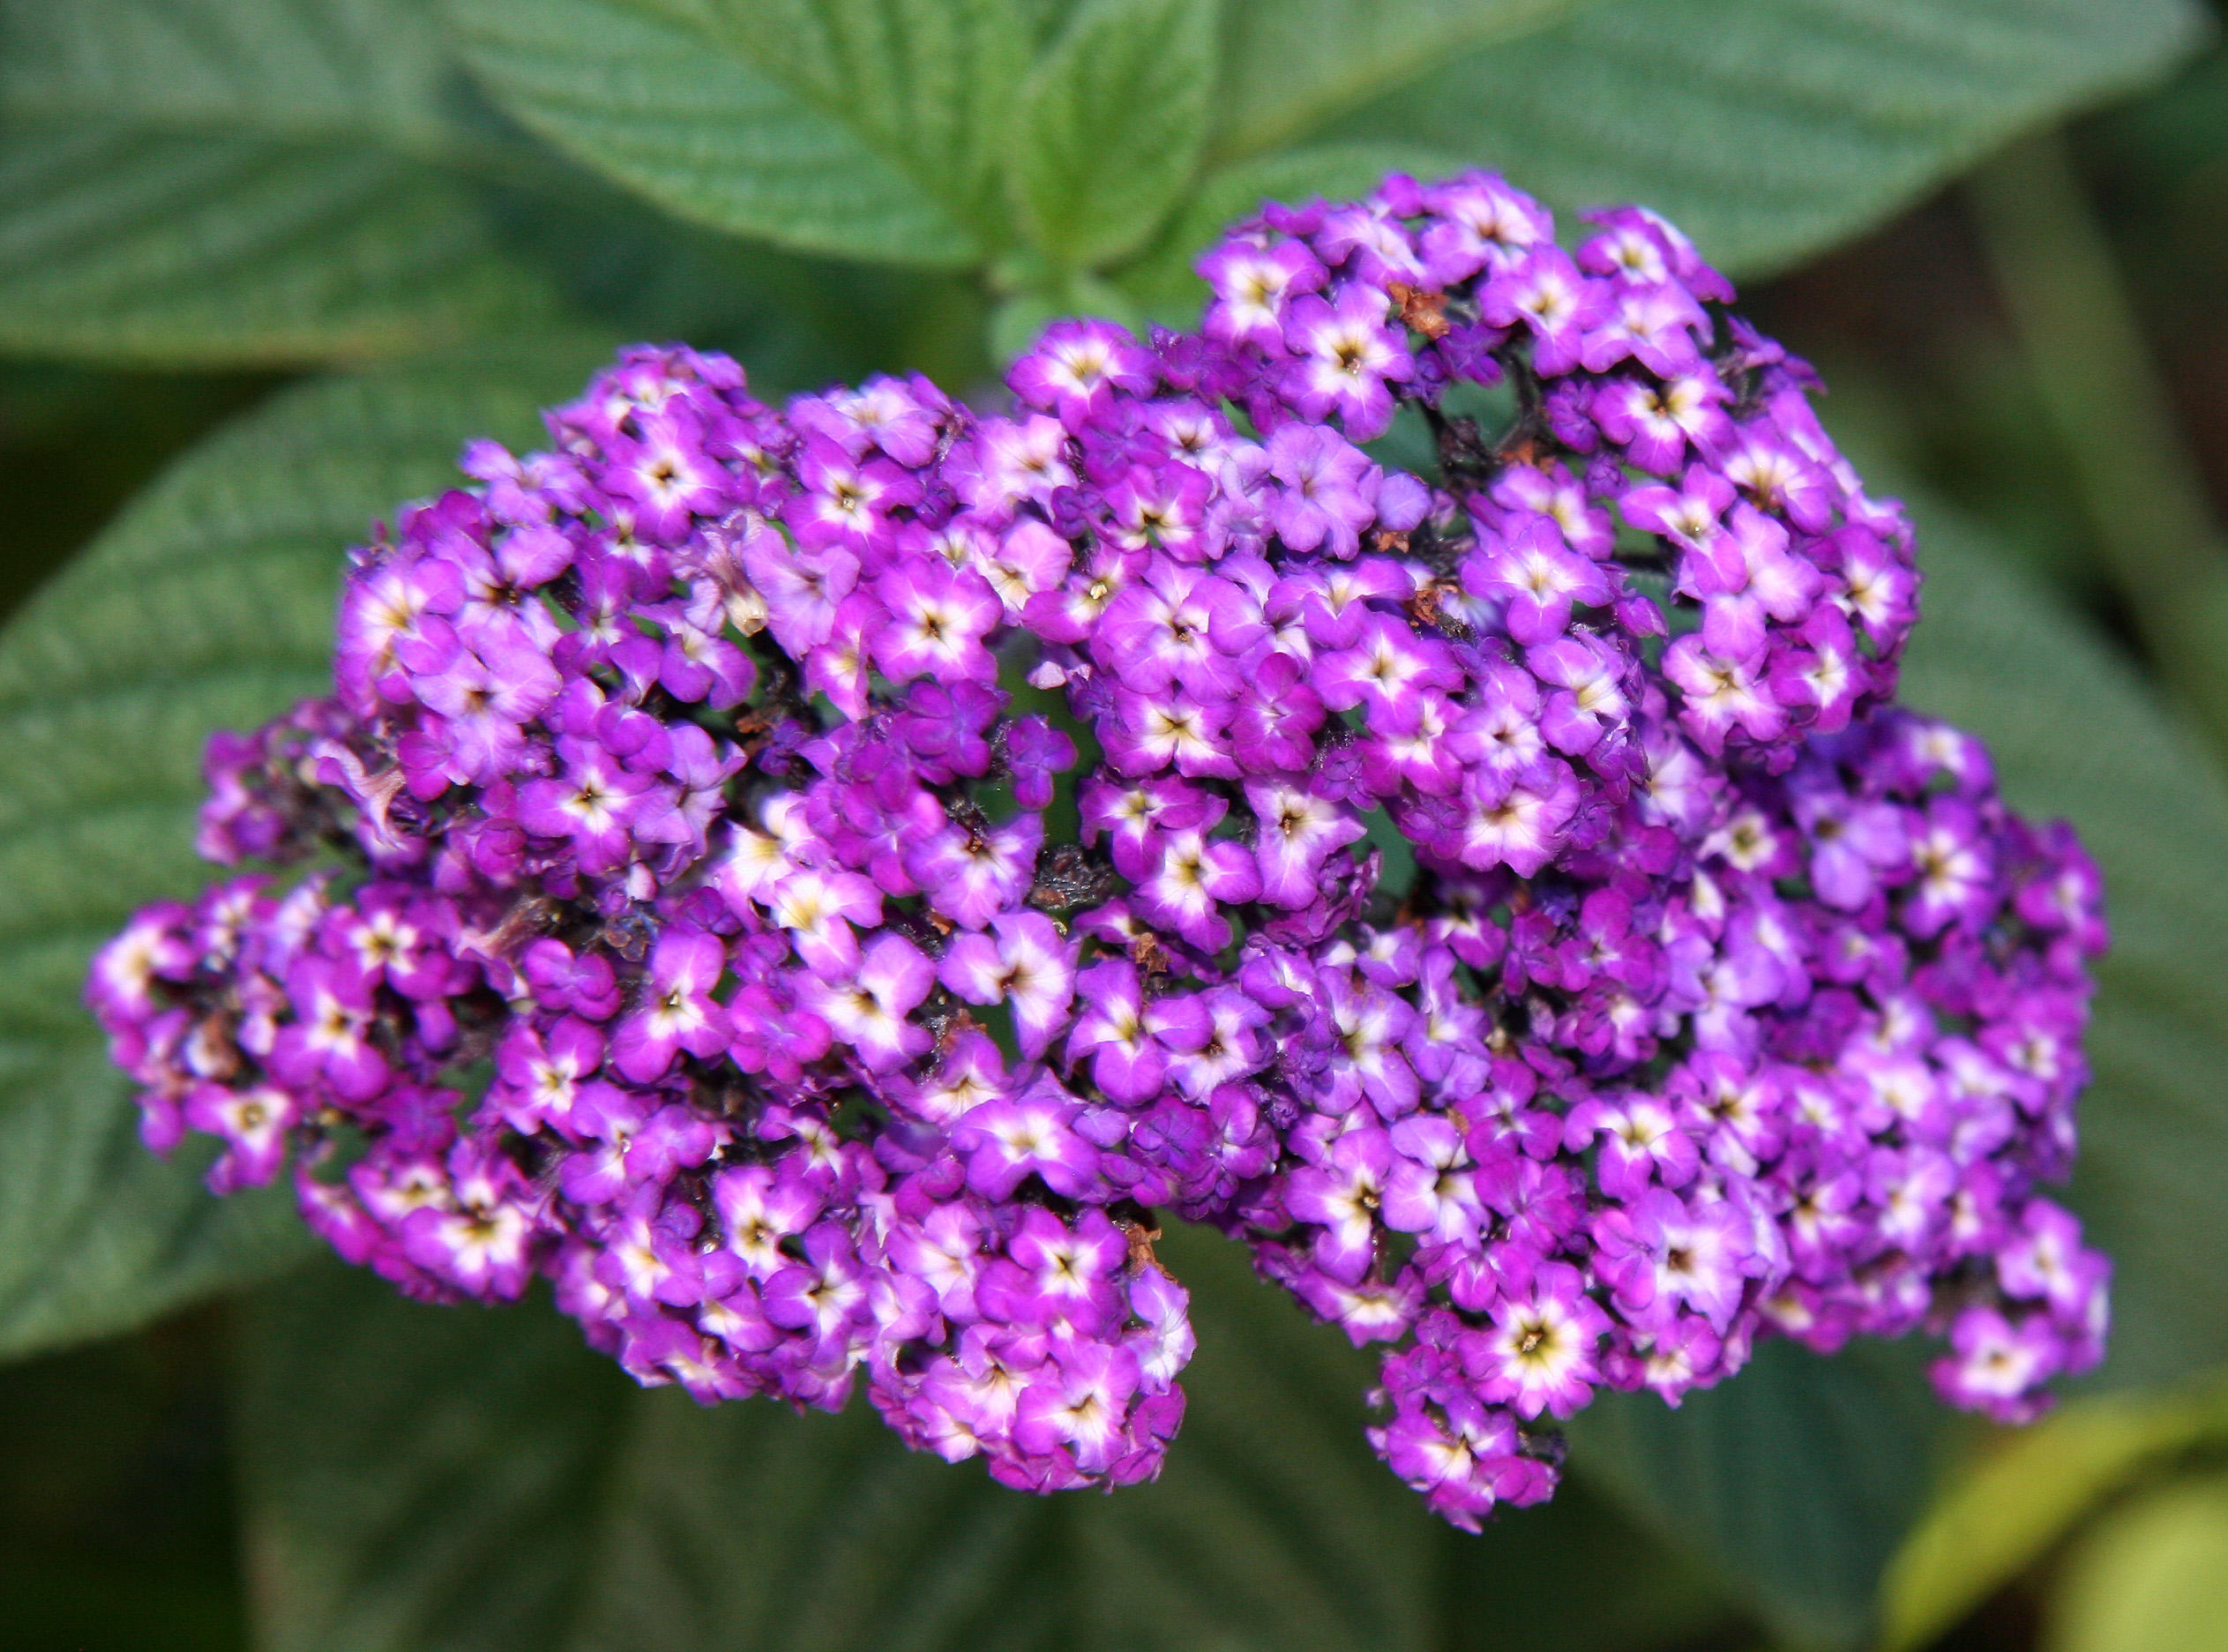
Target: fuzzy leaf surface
1110,125
1769,129
668,100
242,182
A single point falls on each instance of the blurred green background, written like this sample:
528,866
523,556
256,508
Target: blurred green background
263,263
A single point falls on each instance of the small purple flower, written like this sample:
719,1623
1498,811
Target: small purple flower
1035,752
1539,1356
1339,1198
1053,1274
332,1037
1298,831
677,1013
800,588
1343,360
1253,285
1537,579
1852,843
1997,1364
1194,878
1660,1254
1328,492
970,874
593,803
1542,291
867,1009
253,1124
1077,368
1127,1060
1656,424
1009,1139
1640,1141
939,618
1078,1405
1022,962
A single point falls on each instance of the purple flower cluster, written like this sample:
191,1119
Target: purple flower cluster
814,883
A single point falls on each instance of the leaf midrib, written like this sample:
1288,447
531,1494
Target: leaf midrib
905,162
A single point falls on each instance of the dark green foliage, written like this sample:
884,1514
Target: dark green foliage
438,1480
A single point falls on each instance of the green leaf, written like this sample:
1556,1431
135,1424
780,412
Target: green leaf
207,604
2076,734
122,244
2155,1575
418,1477
2021,1498
96,1235
435,1479
1110,125
1044,18
1794,1480
796,322
1288,65
311,69
668,101
240,181
1272,1528
744,1526
1770,129
929,83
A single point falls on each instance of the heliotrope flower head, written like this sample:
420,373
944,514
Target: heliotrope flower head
818,884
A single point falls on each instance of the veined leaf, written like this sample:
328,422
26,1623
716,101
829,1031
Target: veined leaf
208,604
743,1525
397,1458
118,244
928,84
1273,1525
310,70
1794,1480
664,101
1111,124
99,1235
795,322
240,182
418,1477
1771,129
